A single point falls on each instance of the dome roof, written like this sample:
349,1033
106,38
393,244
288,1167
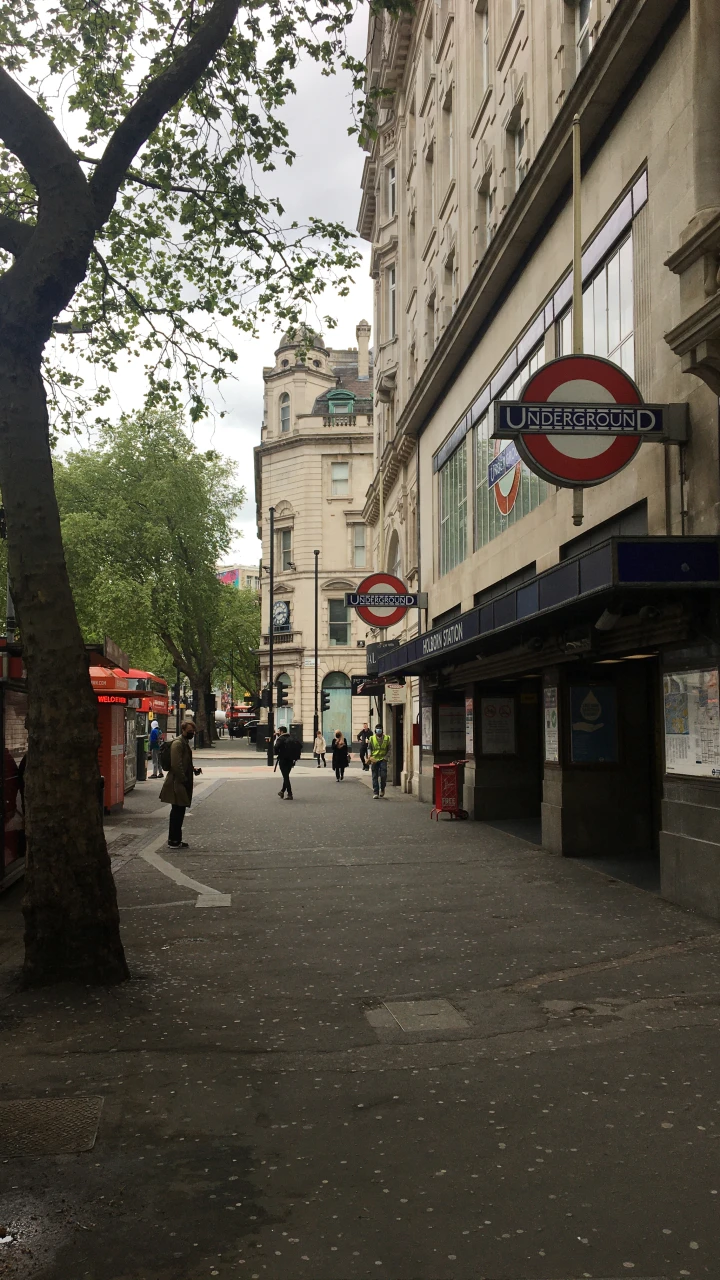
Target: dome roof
303,335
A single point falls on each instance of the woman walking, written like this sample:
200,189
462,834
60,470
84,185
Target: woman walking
319,749
340,755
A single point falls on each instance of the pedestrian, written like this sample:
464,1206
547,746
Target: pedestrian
340,755
288,752
364,737
177,788
319,749
379,748
156,741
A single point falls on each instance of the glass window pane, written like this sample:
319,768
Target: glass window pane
627,356
600,343
588,320
613,301
339,473
626,288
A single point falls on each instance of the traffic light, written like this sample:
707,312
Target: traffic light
265,698
282,693
324,700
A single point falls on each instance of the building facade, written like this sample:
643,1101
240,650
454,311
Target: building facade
575,667
244,577
313,466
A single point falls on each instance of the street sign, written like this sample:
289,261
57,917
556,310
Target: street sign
381,600
649,421
366,686
575,458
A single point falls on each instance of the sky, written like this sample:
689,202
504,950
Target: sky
324,181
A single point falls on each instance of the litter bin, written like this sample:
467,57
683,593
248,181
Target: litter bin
446,790
141,749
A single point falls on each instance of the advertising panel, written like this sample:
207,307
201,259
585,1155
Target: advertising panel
692,723
497,716
593,724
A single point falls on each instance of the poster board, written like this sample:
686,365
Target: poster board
552,725
692,723
427,728
451,726
497,718
469,727
593,724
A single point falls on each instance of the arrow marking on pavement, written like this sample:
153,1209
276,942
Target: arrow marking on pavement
207,897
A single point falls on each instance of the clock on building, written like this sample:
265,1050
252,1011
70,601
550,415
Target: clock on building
281,615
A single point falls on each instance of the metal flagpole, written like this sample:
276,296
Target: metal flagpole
316,718
577,327
271,711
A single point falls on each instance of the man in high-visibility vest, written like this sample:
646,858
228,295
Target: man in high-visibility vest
379,751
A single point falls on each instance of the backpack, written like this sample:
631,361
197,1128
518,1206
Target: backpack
295,750
165,758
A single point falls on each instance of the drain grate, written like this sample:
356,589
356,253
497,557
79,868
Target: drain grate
48,1126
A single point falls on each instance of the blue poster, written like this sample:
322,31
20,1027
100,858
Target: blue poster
593,724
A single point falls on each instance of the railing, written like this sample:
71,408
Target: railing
339,419
281,637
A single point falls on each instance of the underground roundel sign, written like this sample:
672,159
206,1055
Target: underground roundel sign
392,603
578,461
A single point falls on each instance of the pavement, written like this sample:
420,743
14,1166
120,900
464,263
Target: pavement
358,1043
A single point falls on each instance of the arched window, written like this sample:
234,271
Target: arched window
284,412
394,562
339,712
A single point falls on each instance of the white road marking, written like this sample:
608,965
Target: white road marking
207,897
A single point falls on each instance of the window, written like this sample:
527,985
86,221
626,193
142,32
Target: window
429,190
359,552
339,479
394,563
608,312
453,510
392,302
583,36
339,622
521,163
285,550
285,412
482,48
392,190
447,149
516,491
430,324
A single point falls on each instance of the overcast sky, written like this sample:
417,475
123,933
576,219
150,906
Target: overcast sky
324,181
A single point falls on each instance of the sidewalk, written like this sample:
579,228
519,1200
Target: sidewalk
362,1044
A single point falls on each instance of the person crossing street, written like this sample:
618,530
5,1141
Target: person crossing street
379,750
288,752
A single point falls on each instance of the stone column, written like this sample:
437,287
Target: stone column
705,19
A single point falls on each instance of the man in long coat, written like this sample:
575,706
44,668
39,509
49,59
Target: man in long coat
178,785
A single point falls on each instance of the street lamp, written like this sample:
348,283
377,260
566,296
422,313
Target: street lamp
316,719
271,713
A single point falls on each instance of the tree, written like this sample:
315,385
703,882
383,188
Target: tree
147,219
145,519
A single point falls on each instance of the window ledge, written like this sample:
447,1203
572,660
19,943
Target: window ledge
447,198
427,95
481,111
428,244
514,27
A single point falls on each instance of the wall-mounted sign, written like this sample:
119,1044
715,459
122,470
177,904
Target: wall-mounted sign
451,726
366,686
581,419
395,694
469,727
427,728
503,476
114,699
593,724
692,723
552,728
382,600
497,726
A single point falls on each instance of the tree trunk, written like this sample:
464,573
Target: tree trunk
200,716
72,926
211,725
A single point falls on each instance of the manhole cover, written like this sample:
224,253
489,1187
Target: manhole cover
426,1015
48,1126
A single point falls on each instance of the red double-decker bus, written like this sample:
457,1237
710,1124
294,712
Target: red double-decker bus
152,692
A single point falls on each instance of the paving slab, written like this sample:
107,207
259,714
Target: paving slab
402,1049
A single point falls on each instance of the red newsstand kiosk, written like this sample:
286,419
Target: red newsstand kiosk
112,694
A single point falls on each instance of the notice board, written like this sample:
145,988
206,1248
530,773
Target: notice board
692,723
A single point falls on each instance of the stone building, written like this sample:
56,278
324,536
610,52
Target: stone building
314,465
537,628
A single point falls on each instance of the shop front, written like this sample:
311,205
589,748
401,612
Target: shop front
585,702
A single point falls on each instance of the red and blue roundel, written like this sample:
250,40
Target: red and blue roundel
578,461
507,486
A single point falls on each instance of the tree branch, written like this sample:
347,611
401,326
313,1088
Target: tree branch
15,236
160,96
